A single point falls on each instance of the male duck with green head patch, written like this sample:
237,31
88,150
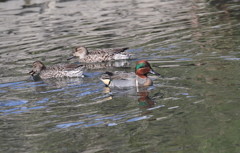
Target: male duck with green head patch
123,79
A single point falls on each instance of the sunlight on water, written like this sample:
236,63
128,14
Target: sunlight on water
193,107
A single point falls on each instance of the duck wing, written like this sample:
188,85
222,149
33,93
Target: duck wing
118,75
108,51
66,67
118,79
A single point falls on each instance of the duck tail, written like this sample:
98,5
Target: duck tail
106,78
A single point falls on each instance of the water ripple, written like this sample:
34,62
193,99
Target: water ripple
13,102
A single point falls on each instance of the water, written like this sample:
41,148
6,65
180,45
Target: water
194,108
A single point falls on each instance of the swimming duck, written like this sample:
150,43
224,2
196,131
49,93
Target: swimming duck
100,55
107,65
123,79
56,71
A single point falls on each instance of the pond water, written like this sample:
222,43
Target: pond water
194,108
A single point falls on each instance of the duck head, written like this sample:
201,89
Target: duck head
80,52
37,68
143,68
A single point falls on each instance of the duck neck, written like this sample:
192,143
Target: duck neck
143,80
43,68
141,75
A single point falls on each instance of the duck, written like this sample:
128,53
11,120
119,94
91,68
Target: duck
123,79
107,65
100,55
56,71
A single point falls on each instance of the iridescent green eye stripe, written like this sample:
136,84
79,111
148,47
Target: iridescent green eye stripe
140,65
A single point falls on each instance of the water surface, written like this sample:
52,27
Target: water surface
193,44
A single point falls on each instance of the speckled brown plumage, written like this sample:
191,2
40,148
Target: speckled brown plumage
107,65
55,71
100,55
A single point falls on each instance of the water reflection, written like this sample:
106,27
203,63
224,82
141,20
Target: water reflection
144,100
143,105
45,7
59,83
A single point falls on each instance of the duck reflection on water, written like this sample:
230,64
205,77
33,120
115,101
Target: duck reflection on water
140,94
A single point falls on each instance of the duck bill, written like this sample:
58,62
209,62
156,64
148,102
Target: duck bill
32,72
155,73
70,57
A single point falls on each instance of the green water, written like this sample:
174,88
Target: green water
193,108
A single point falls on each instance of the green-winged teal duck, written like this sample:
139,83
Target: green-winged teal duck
123,79
56,71
100,55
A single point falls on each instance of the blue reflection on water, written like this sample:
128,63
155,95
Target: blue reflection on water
66,125
89,92
112,124
232,59
16,112
93,124
36,107
30,84
12,102
54,90
3,91
16,106
11,84
114,118
92,74
156,107
184,59
9,110
44,100
135,50
139,118
22,84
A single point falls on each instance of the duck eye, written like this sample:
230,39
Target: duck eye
78,49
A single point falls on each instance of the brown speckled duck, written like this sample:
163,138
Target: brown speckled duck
100,55
56,71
